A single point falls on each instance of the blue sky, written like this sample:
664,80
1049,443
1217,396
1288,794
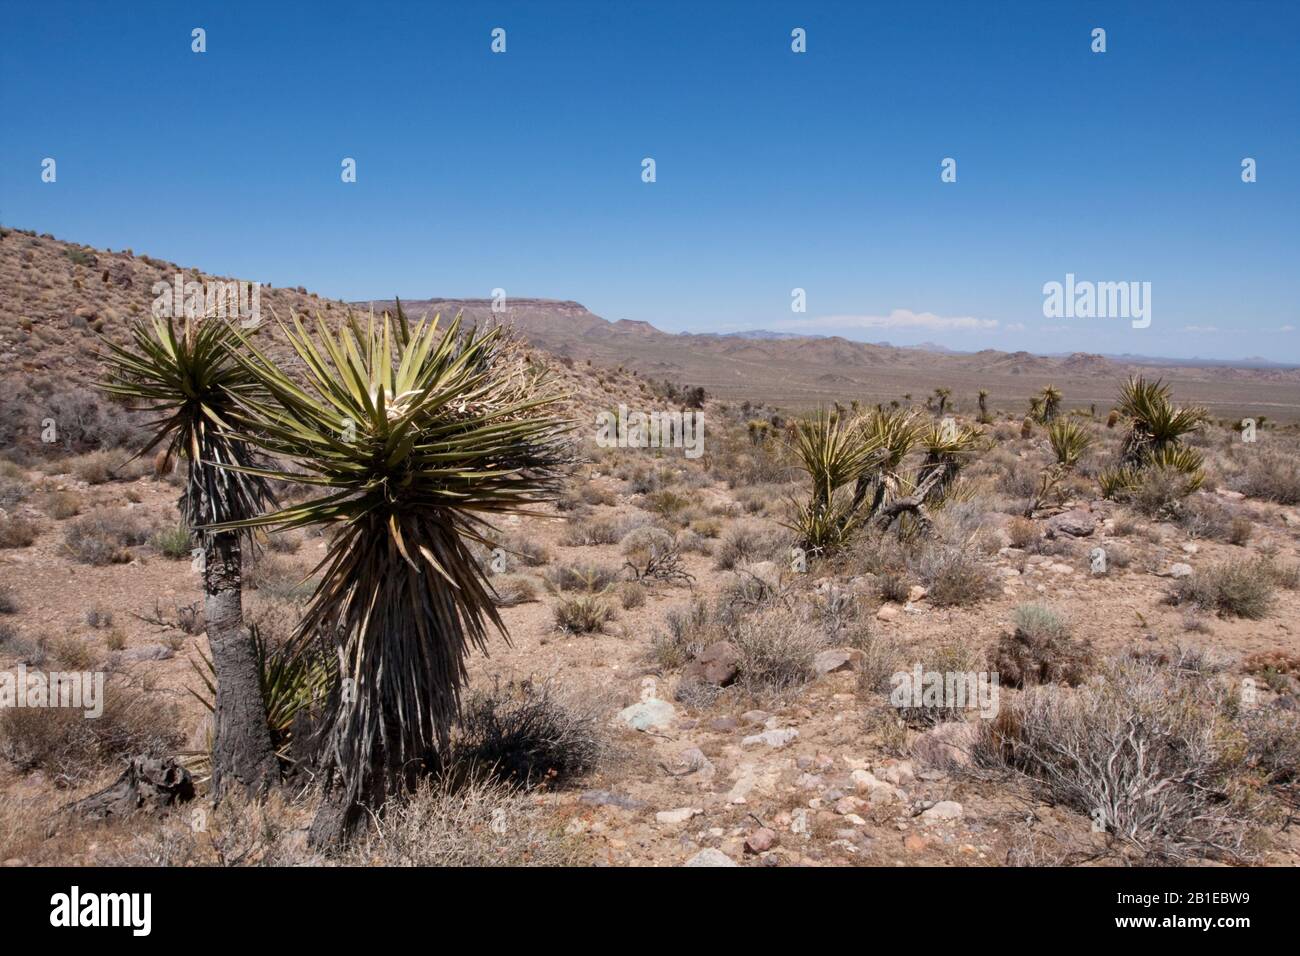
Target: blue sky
775,170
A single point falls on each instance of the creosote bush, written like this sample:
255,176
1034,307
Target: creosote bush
1237,589
1040,650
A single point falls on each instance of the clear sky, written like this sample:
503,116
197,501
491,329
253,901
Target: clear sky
775,170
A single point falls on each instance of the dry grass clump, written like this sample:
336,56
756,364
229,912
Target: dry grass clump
104,537
777,647
631,595
513,589
527,734
1237,589
689,628
16,532
602,529
1269,476
276,577
72,749
590,577
1040,650
954,576
8,603
479,823
173,542
1023,532
745,542
1142,749
584,614
13,491
951,658
60,505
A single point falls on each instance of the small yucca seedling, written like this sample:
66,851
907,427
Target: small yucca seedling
413,439
1069,440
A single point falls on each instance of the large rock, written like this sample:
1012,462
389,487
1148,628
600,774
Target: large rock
1076,523
651,714
836,659
717,664
943,810
947,745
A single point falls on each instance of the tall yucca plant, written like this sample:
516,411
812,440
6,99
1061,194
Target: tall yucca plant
833,451
1069,440
190,378
411,437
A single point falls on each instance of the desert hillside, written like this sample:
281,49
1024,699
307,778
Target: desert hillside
704,653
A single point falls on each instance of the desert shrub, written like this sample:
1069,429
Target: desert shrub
16,532
173,542
951,658
777,648
104,536
71,749
893,586
667,503
602,529
527,734
688,629
283,542
580,576
8,603
72,652
1158,492
654,555
1272,741
1023,532
96,467
708,527
744,543
276,577
1040,650
8,634
594,494
512,589
1202,517
631,595
481,823
116,639
583,614
13,491
63,504
526,551
1139,748
1236,588
953,576
1270,476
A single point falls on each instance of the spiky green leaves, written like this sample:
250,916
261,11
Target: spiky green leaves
190,377
410,438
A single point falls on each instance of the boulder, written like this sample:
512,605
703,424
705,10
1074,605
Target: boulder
717,664
1076,523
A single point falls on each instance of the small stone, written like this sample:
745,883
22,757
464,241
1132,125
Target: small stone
887,612
760,840
1180,571
772,738
916,593
799,822
680,815
943,810
850,804
711,857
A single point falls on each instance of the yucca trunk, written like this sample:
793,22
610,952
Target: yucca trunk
243,754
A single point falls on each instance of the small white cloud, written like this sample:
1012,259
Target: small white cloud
1014,327
897,319
1287,328
1199,328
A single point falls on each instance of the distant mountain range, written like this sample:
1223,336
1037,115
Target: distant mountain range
801,370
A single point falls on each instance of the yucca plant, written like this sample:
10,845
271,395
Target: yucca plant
1069,440
984,417
946,450
190,378
413,438
1051,403
1153,421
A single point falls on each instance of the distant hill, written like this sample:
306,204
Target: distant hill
801,371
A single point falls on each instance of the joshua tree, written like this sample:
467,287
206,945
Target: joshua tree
942,394
193,381
411,438
1051,403
984,417
1035,408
